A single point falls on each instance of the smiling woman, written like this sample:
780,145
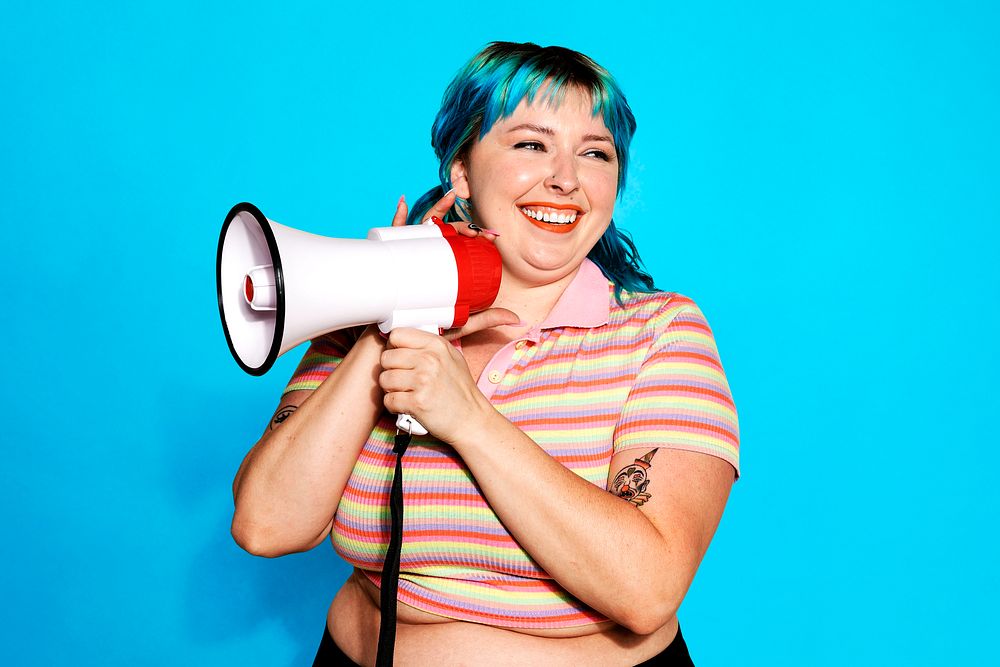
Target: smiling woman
583,440
506,77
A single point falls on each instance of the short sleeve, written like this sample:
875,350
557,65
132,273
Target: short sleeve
323,356
681,397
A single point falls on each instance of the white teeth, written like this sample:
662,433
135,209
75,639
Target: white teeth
552,218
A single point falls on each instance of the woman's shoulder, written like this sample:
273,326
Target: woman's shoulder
655,309
658,318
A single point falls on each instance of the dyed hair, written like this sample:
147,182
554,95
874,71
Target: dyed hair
491,86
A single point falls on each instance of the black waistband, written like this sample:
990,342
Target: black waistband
330,655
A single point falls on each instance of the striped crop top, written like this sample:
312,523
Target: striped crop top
594,379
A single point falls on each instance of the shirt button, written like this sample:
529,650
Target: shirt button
495,377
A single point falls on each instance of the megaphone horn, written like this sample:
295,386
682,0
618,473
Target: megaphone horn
278,286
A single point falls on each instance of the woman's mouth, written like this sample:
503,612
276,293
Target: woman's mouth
558,219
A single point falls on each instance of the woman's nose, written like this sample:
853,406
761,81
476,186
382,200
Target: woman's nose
564,179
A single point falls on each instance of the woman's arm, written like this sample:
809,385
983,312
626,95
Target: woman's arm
632,563
288,487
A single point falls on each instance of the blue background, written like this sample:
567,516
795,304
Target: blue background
822,179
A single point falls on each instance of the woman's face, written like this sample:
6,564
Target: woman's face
545,178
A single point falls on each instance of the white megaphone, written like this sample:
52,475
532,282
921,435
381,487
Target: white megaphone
279,286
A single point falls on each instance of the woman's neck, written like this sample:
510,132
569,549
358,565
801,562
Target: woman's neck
532,303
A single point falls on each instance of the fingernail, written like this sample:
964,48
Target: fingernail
402,199
436,220
476,228
448,193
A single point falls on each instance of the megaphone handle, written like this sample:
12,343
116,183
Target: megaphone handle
410,425
406,422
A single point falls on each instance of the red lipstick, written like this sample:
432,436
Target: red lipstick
554,227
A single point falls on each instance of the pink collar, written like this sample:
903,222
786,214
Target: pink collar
585,303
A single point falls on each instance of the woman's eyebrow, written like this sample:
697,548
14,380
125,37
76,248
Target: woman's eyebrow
598,137
541,129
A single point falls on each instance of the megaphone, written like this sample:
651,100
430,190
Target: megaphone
279,287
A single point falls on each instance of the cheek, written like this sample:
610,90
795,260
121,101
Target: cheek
494,191
501,181
602,190
519,176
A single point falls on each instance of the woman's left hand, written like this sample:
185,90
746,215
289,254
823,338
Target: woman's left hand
425,376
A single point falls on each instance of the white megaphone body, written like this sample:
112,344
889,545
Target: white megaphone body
279,286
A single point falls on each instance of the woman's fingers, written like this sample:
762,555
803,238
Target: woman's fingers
430,380
441,208
399,217
408,338
393,381
477,230
398,357
414,366
487,319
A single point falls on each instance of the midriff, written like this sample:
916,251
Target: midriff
423,638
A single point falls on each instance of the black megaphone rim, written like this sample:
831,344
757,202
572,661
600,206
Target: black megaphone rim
279,286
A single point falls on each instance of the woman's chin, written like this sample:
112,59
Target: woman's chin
544,268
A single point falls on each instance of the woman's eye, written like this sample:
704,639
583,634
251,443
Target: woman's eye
599,154
530,145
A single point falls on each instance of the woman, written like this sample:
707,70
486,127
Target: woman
582,442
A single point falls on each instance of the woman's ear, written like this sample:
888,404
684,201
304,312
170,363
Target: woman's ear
459,180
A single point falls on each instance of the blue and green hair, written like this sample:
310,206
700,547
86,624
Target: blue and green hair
491,86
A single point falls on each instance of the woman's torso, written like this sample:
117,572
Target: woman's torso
427,638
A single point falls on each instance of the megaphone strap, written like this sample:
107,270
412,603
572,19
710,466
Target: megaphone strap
390,567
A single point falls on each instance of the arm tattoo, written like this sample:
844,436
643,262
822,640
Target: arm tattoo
631,481
281,415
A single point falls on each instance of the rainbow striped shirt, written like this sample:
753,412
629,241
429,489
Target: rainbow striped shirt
594,379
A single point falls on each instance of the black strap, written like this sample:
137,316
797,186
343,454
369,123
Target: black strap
390,567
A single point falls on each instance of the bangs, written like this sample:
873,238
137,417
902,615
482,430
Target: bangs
533,81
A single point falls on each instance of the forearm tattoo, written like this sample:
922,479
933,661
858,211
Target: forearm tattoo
631,481
281,415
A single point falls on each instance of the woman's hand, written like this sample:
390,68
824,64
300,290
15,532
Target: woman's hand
423,375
